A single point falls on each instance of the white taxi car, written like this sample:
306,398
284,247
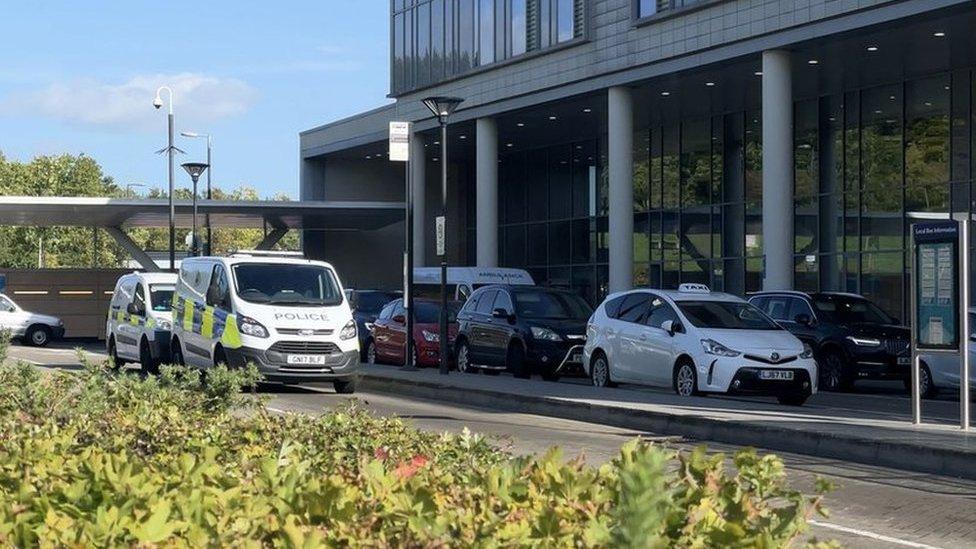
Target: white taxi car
140,319
696,341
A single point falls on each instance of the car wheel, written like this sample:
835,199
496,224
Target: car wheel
146,360
925,383
370,352
177,354
345,387
793,399
685,379
38,336
113,353
833,376
600,371
515,361
464,359
220,358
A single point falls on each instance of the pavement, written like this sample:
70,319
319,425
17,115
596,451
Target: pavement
872,506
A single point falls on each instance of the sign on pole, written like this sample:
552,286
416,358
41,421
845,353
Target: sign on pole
400,141
441,226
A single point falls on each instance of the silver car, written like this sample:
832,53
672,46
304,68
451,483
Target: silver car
941,371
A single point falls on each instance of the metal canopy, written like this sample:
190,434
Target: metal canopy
43,211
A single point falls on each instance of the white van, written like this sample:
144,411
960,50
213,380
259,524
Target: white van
140,319
462,281
286,315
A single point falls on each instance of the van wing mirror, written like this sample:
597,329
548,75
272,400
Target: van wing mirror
134,309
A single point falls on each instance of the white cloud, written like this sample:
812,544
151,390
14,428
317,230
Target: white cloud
198,98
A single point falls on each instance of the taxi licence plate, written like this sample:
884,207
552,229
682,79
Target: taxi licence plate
306,359
785,375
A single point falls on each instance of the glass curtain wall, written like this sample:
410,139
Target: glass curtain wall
869,163
434,40
549,217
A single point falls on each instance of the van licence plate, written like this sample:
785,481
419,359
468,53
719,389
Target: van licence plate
785,375
306,359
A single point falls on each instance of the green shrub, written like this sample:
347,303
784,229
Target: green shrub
99,458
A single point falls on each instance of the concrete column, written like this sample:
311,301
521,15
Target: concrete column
486,193
418,176
777,172
620,141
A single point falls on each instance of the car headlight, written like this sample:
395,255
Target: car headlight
807,351
713,347
251,327
864,341
348,331
546,334
431,337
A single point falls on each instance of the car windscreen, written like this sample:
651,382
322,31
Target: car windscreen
430,313
850,310
551,305
373,302
286,284
161,297
726,315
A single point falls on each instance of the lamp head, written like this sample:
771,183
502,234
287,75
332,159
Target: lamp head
195,169
158,101
442,106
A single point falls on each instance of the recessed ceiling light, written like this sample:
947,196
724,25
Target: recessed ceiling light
812,62
437,142
758,73
520,124
872,48
938,34
947,88
369,156
877,111
709,84
463,136
587,110
508,144
891,97
928,103
436,159
665,94
552,117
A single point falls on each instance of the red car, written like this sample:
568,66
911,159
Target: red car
387,339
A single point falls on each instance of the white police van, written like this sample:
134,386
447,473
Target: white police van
140,319
286,315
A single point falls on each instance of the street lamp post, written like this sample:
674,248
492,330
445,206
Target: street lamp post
442,108
207,249
170,151
195,169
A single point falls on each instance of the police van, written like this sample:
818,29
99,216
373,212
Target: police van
139,319
287,315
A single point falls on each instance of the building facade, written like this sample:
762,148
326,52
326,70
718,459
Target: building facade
604,144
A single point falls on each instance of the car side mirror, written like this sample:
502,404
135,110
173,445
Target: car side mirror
669,327
399,319
803,319
134,309
502,313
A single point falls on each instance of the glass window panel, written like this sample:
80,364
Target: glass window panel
717,160
852,222
398,59
515,246
537,185
423,44
518,28
450,47
584,179
565,19
584,284
753,156
695,163
831,272
642,277
486,32
733,221
641,173
881,280
581,240
409,47
559,245
753,274
697,272
655,168
502,42
805,163
696,233
805,226
927,145
716,232
753,240
670,171
642,224
537,244
831,144
881,142
466,35
513,185
437,40
852,142
560,182
561,277
646,8
656,252
601,239
831,224
670,248
733,276
805,273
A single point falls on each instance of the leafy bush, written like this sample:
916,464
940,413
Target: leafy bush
99,458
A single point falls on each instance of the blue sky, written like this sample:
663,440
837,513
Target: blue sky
80,77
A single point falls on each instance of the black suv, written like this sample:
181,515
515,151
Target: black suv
522,329
851,337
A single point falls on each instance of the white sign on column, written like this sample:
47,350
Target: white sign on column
400,141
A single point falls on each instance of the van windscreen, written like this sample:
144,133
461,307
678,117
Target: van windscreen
161,297
286,284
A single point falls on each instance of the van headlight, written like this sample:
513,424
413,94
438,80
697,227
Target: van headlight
164,325
864,341
807,351
545,334
251,327
348,331
431,337
713,347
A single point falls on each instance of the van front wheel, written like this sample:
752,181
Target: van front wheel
344,387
